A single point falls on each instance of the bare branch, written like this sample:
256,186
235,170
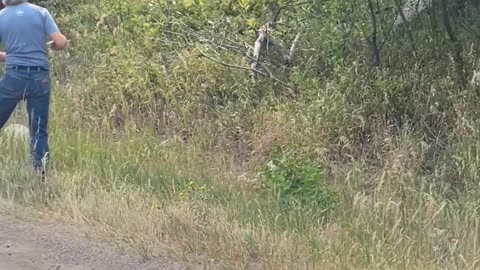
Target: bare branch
374,38
292,48
229,65
392,25
284,84
456,45
289,4
405,21
263,39
259,44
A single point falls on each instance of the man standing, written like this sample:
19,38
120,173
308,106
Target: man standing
25,30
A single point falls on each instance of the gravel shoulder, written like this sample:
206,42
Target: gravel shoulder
34,245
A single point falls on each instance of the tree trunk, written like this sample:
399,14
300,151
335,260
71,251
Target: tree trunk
406,24
456,46
374,37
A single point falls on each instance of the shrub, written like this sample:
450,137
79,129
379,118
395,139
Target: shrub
296,179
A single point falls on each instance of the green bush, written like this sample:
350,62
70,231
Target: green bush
295,179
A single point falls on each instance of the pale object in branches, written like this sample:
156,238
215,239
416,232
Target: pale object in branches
263,39
257,48
411,9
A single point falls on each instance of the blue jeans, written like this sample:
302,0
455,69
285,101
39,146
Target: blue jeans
34,87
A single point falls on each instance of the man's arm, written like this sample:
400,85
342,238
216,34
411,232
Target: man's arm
58,41
3,57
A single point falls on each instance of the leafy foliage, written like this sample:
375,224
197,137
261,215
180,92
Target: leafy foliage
154,85
296,179
181,67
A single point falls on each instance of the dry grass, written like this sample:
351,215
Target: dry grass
166,160
393,226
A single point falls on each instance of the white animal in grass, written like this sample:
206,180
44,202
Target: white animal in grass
17,132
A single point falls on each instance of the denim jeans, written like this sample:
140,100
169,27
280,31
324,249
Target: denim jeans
33,86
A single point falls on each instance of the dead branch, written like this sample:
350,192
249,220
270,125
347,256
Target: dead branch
287,5
456,45
263,37
257,48
405,21
270,76
292,49
374,37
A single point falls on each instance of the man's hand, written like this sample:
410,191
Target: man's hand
58,42
3,57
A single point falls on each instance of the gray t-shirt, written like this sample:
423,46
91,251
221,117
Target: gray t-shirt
24,31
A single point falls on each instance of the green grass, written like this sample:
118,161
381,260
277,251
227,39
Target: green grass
166,152
135,193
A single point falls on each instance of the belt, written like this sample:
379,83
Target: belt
28,68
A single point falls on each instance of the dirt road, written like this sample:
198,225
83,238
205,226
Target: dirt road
45,246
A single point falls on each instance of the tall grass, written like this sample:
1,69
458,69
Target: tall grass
169,197
367,169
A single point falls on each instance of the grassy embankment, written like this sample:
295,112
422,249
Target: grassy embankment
178,170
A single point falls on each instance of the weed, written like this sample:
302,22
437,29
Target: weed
293,178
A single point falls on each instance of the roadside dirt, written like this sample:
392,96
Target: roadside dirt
26,245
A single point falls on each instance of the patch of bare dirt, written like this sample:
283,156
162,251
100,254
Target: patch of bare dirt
32,245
